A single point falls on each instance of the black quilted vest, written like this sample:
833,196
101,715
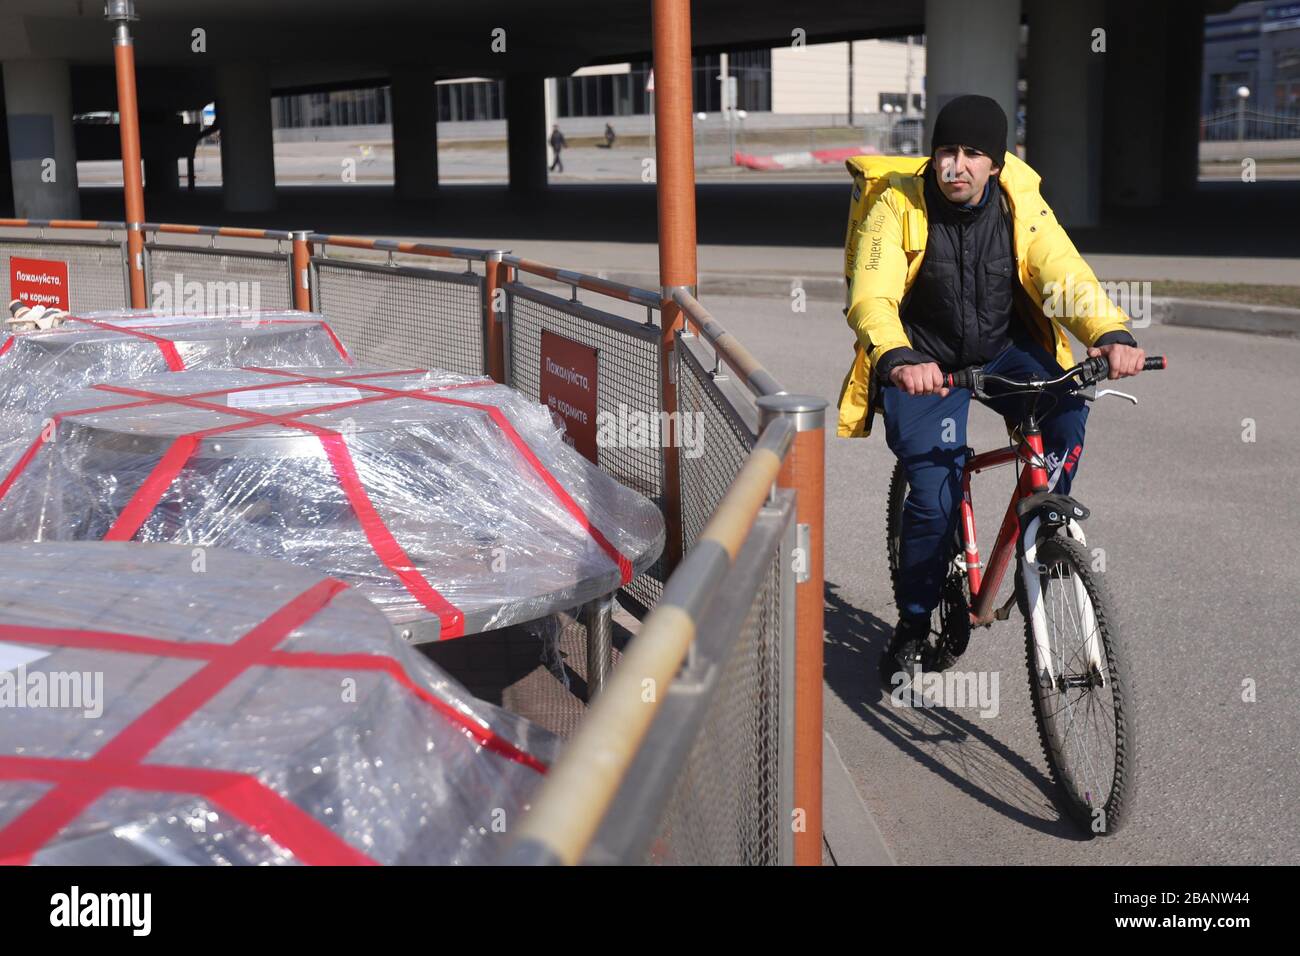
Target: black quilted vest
960,310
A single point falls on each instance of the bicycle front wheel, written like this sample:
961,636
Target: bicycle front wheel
1080,685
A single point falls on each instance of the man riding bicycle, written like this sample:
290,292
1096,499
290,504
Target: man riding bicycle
959,264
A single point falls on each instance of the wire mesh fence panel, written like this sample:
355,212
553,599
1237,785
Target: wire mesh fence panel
1249,124
726,809
216,279
96,269
723,440
401,316
627,389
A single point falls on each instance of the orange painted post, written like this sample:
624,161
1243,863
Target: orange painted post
301,271
122,12
804,471
496,274
675,176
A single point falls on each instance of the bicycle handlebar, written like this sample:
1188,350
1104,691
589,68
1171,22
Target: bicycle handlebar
1089,371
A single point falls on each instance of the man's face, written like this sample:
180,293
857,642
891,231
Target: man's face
963,172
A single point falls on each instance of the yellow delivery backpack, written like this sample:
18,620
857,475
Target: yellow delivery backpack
870,179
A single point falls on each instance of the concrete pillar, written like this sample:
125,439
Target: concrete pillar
160,168
971,48
1134,118
1063,121
1182,108
247,150
6,176
551,88
42,151
526,132
415,133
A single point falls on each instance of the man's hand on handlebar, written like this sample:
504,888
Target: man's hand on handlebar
1125,360
919,379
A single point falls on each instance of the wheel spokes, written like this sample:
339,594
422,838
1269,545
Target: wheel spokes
1079,723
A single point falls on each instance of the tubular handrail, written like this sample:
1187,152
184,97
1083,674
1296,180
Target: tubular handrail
581,786
609,287
403,246
234,232
756,378
61,224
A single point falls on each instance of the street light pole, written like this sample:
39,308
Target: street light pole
725,76
122,12
1243,94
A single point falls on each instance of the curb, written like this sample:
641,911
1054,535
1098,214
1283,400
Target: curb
1228,316
848,827
1192,313
818,288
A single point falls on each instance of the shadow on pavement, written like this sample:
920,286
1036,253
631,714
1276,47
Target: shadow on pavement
940,739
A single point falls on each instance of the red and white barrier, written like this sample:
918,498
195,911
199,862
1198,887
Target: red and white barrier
807,157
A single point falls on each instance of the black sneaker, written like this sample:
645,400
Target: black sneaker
905,648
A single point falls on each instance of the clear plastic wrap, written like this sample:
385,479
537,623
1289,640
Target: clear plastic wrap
38,366
213,707
453,503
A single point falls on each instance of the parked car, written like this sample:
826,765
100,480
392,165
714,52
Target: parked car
906,136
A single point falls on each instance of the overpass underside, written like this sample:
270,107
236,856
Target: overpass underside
1111,101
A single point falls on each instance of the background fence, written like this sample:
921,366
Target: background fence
403,317
239,276
712,780
1249,124
96,268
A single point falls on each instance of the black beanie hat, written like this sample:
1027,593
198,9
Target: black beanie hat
972,120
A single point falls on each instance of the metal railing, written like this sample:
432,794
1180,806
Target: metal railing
725,753
399,315
249,277
629,373
97,277
1249,124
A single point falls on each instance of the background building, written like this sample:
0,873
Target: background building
1255,46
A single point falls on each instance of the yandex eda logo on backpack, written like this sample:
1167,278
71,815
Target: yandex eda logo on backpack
39,282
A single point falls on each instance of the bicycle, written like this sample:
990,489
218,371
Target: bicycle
1072,644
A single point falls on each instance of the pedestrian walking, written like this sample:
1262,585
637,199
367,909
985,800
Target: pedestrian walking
558,143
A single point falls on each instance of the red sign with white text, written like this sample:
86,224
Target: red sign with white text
568,387
39,282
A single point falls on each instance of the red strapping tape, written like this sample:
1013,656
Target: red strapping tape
168,349
121,756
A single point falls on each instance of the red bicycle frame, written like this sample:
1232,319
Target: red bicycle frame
1033,478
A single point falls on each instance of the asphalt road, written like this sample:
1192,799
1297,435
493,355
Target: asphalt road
1198,527
342,162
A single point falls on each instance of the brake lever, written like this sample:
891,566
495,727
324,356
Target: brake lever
1114,391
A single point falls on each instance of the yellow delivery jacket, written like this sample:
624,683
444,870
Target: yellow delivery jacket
883,251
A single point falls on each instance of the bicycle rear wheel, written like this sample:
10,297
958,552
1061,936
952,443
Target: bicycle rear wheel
1084,708
950,621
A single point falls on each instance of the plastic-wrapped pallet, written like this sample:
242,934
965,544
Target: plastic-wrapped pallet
453,503
177,705
39,365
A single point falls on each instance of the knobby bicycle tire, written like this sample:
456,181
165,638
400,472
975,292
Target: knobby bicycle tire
1117,808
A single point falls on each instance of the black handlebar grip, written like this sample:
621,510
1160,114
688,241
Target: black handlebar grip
1155,363
961,379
